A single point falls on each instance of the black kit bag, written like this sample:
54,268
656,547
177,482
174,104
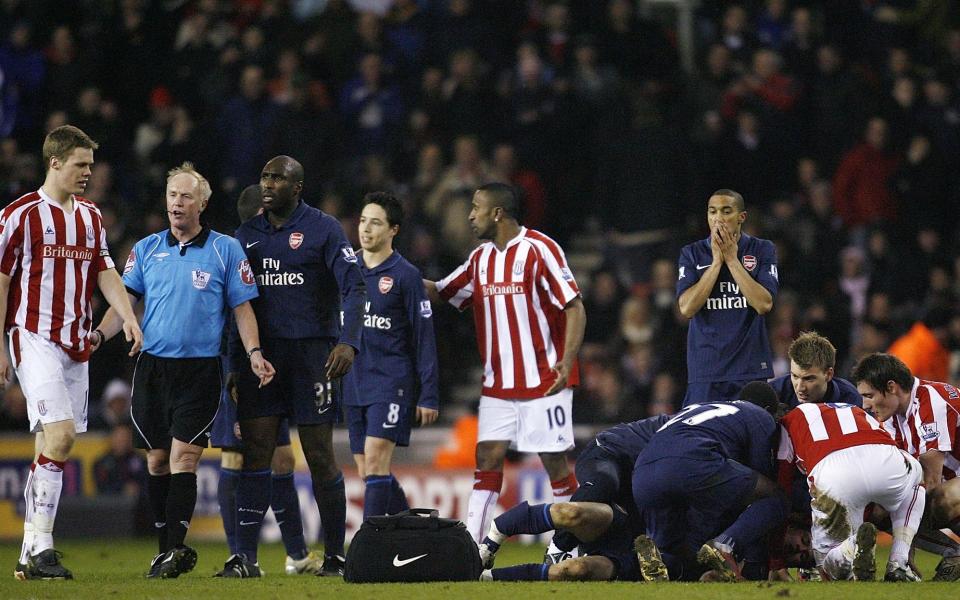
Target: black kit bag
414,545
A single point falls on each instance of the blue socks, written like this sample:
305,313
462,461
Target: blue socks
376,495
227,499
286,508
398,498
528,572
253,499
332,504
524,518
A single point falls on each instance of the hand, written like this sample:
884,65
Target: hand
132,333
262,368
426,416
339,361
231,385
779,575
728,245
562,369
716,246
5,371
95,339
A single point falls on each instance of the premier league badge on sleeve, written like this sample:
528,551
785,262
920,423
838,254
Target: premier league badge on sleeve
426,311
928,431
348,254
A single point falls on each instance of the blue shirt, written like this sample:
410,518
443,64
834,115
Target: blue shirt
737,430
839,391
303,268
398,350
627,440
187,290
727,339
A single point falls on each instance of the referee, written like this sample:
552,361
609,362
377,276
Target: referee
188,276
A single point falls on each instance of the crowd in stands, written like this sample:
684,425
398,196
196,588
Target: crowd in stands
839,122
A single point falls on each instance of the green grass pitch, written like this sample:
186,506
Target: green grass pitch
113,569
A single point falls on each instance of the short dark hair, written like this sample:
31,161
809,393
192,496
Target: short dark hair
390,205
249,202
878,368
763,395
504,196
737,197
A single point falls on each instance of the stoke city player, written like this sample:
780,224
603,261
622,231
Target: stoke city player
530,321
53,250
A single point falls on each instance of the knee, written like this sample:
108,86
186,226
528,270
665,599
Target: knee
231,460
376,457
58,445
567,515
283,461
158,462
571,570
490,457
185,461
256,456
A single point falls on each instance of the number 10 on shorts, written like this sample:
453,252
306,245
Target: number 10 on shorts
556,416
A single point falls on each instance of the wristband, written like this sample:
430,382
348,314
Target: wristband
102,337
254,349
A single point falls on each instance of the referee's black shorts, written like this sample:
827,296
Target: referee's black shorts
174,398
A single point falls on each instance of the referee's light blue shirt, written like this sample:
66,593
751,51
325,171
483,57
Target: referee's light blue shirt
188,290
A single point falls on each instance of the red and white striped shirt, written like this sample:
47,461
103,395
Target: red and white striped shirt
518,296
53,258
930,423
811,431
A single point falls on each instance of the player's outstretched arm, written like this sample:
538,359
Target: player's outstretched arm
116,295
111,325
5,371
432,293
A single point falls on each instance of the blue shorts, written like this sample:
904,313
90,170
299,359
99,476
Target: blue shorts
616,544
668,490
715,391
602,478
299,390
225,432
387,420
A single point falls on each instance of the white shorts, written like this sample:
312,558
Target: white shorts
55,385
539,425
846,481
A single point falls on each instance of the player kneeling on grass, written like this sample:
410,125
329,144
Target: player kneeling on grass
849,462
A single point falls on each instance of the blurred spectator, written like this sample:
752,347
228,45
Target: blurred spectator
924,348
114,406
507,169
21,77
861,190
122,470
372,109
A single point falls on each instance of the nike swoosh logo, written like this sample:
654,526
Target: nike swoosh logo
399,563
699,267
320,411
386,426
248,522
252,244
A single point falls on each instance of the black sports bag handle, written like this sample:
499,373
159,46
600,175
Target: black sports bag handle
391,521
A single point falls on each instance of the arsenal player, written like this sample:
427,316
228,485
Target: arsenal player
393,383
530,320
53,251
725,284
